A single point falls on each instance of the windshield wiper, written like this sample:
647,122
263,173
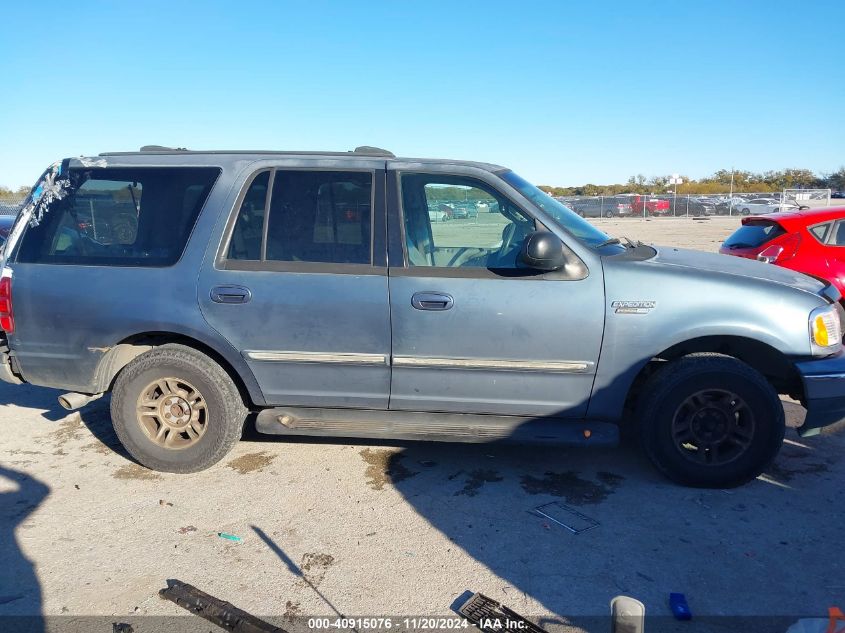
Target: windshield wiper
612,240
629,243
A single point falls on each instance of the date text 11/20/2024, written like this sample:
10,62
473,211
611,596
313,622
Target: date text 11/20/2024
410,623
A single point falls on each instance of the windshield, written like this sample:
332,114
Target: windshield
565,217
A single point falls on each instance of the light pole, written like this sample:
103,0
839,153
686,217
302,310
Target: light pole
731,197
675,180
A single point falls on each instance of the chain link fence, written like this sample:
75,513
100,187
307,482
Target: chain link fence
10,206
695,205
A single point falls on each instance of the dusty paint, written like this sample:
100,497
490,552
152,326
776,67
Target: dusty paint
135,471
569,485
384,466
251,462
476,480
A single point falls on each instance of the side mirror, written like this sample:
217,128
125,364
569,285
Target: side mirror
543,250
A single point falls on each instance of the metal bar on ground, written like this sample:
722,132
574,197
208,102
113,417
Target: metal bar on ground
219,612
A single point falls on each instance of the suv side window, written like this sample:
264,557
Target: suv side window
454,221
121,217
311,216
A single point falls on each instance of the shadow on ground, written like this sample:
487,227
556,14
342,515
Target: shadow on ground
763,549
20,591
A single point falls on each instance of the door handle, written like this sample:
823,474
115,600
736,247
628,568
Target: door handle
230,294
436,301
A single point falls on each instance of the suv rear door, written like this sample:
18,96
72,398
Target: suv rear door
297,283
471,331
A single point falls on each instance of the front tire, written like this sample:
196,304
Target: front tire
710,421
176,410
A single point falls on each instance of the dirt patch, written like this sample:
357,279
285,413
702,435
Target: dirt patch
476,480
314,567
98,447
569,485
70,429
251,462
135,471
292,609
786,472
384,467
610,479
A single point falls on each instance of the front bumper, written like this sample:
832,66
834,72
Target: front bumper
824,393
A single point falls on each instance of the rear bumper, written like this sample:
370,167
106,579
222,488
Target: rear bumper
824,393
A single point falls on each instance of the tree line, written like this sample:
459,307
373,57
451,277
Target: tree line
719,182
8,195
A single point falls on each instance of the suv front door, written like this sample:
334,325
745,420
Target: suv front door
298,283
472,331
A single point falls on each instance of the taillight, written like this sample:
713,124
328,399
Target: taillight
7,321
783,250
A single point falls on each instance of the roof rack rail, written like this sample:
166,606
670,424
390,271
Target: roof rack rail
369,150
161,148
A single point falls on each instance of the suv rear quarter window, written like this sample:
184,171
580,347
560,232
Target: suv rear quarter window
121,217
310,217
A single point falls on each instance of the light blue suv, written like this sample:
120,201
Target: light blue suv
314,290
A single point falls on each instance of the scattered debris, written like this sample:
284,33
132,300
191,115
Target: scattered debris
627,615
187,529
492,617
223,614
76,486
229,537
567,517
162,502
679,606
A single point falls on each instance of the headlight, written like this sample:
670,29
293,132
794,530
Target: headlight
825,330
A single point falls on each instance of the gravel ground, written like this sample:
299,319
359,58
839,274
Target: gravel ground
398,529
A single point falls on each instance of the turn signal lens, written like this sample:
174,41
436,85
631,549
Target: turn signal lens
826,330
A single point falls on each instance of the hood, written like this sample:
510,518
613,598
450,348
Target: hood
740,266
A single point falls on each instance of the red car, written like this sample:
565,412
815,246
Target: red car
810,242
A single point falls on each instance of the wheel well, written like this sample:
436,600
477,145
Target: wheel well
773,364
132,347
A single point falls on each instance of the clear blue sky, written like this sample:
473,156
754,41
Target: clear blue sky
563,92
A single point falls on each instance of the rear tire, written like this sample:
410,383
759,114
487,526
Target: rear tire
710,421
608,214
176,410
